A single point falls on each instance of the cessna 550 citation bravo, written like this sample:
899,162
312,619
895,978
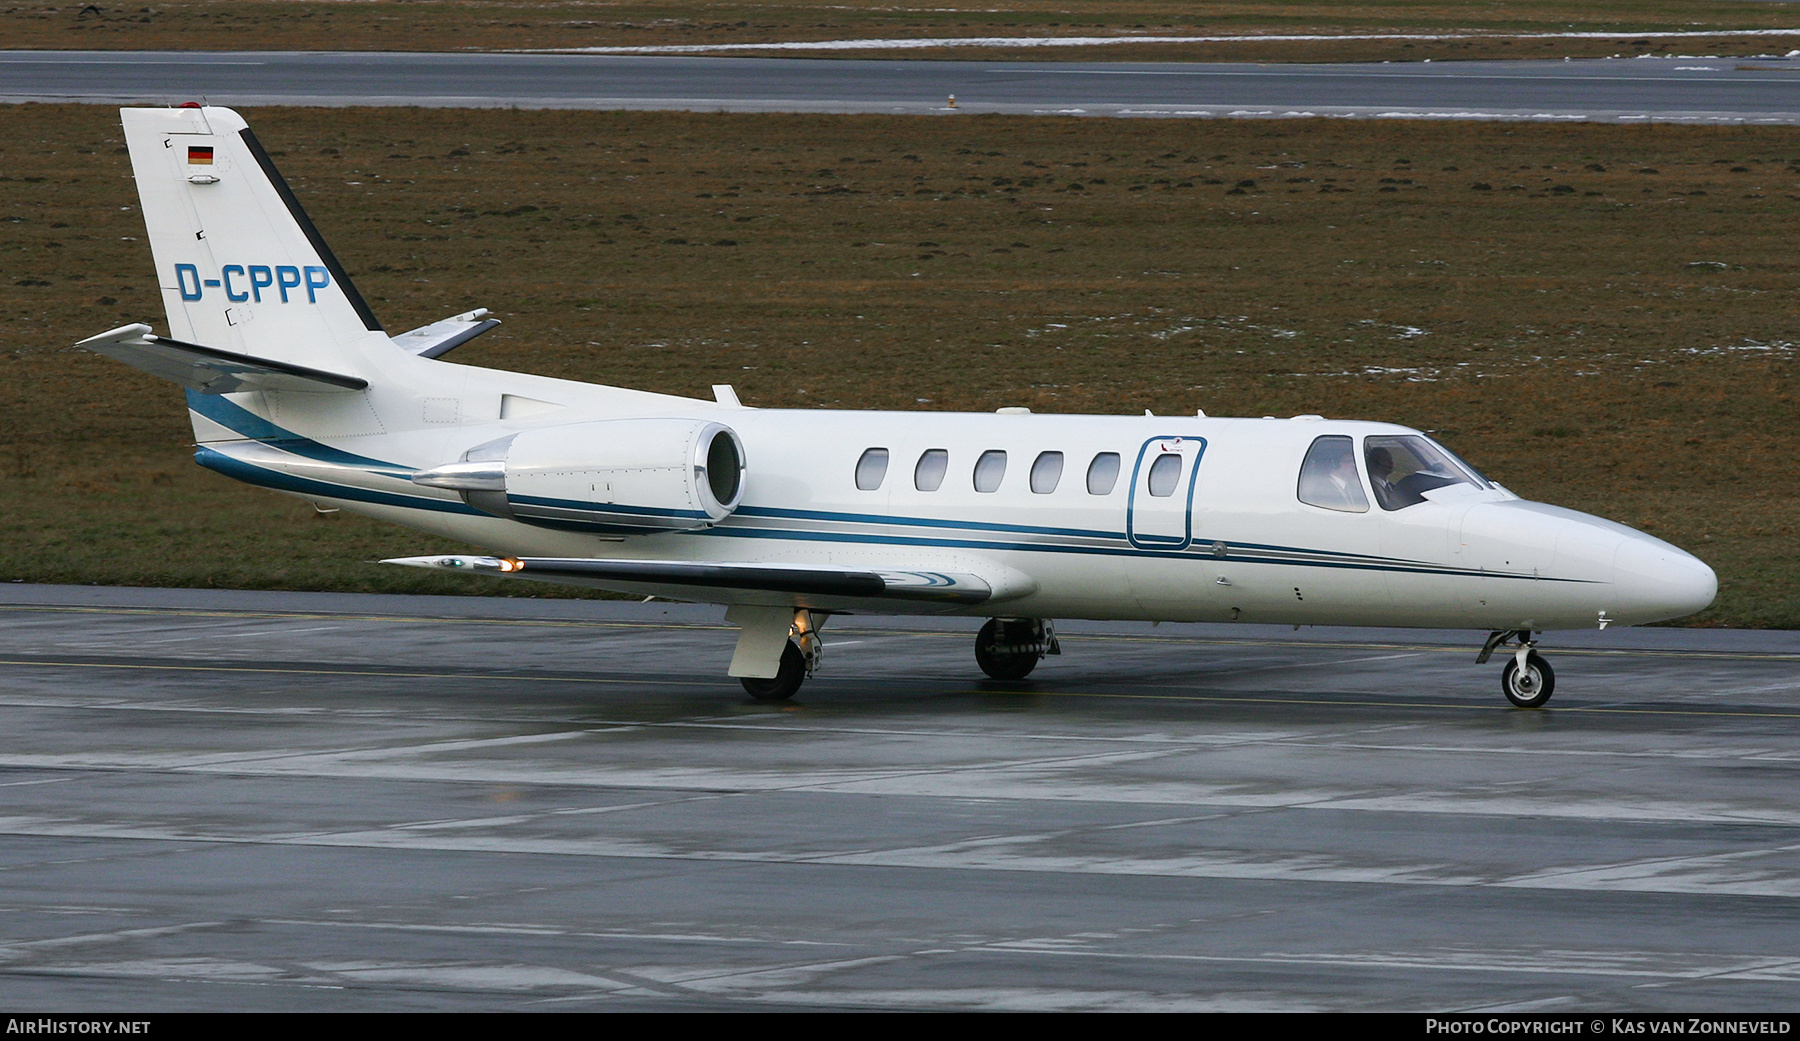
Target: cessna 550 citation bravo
788,516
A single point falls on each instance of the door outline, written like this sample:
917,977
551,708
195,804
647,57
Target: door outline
1164,542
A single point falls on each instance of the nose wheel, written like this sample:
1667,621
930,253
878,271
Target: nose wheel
1527,680
1528,684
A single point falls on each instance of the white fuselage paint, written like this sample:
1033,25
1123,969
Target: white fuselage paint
1233,542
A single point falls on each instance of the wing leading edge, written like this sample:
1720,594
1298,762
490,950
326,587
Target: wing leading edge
817,587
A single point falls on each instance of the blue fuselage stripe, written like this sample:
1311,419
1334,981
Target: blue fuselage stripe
250,473
253,427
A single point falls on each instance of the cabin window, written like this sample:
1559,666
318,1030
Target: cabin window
1046,472
928,476
1403,468
1328,476
871,468
1165,474
1103,473
989,469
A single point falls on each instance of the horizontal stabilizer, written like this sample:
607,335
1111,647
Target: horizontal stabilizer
716,582
440,338
210,370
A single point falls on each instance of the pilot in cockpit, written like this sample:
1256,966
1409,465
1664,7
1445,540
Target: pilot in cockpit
1381,476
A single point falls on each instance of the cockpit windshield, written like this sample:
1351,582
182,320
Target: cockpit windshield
1403,467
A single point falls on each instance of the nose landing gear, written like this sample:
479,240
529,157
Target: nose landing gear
1527,680
1009,648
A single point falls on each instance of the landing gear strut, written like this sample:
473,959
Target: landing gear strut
1527,680
1009,648
799,658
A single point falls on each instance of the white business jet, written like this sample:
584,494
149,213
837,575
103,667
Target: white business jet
788,517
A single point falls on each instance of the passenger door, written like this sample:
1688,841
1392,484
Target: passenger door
1160,512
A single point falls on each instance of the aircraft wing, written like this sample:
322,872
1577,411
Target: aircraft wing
782,584
210,370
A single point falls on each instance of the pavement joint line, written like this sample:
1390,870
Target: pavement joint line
109,937
197,612
1390,705
351,671
1075,637
1422,961
1230,698
1209,698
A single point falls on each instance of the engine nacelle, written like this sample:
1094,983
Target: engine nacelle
608,477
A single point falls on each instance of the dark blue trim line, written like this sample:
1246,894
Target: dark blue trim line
917,522
235,417
1027,547
595,507
1186,538
249,473
585,527
1024,529
298,212
238,419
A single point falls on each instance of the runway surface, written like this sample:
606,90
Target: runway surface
1728,90
304,801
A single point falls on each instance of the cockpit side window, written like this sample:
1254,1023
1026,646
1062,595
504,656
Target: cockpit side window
1402,468
1328,476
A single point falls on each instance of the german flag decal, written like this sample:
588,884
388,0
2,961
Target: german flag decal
199,155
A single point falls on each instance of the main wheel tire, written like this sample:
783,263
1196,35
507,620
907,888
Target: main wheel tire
1531,687
997,665
786,680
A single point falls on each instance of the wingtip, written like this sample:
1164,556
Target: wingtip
134,331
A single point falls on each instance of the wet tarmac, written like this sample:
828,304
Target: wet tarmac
217,800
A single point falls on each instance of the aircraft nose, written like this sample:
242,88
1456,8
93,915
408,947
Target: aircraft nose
1659,581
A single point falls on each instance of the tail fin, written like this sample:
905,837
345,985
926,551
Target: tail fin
240,264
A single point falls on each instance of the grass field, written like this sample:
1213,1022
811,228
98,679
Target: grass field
448,25
1599,316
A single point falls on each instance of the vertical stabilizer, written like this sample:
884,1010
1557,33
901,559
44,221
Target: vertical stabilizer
240,265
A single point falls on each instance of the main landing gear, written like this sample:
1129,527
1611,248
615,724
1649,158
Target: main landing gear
784,683
800,652
1527,680
1009,648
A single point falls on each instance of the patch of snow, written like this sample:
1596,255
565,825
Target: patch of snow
1105,41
